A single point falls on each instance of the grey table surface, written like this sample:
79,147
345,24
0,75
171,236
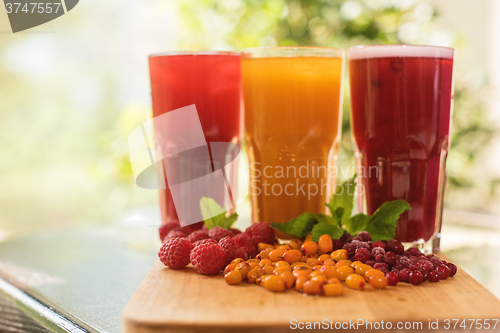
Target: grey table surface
86,276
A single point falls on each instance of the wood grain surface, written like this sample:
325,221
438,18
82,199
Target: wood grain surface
183,301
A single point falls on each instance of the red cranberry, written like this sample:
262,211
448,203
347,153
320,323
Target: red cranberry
398,267
370,262
379,258
415,266
436,262
392,278
378,244
414,251
349,248
337,244
425,274
346,237
362,255
404,261
416,278
427,265
453,268
383,270
398,248
377,250
444,272
406,254
380,265
404,275
390,258
364,236
434,276
395,270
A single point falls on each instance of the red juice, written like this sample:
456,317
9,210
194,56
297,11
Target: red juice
211,81
401,111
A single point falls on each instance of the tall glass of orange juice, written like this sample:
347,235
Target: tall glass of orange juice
293,101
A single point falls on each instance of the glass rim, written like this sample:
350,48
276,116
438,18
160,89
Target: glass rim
191,53
400,50
292,51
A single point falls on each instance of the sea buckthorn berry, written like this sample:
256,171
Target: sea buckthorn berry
320,278
329,272
339,255
233,277
343,262
281,263
252,264
265,262
344,271
355,281
254,274
312,261
263,246
312,287
299,282
274,283
285,247
369,273
236,261
309,248
325,244
264,254
307,238
295,244
298,264
453,268
333,280
281,269
292,256
355,263
303,270
332,289
277,255
392,278
415,278
229,268
317,267
378,281
323,257
253,260
244,268
444,271
328,262
268,269
361,269
288,278
262,278
315,273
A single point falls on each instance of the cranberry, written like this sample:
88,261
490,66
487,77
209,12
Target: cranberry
370,245
377,250
346,237
349,248
390,258
379,258
427,265
395,270
425,274
444,272
398,267
360,244
434,276
404,275
383,270
362,255
406,254
337,244
398,248
380,265
436,262
364,236
453,268
416,278
370,262
378,244
415,266
413,251
392,278
404,261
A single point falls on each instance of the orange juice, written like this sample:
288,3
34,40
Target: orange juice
292,99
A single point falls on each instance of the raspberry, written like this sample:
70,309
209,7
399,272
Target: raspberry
175,234
235,231
261,233
204,241
197,226
208,259
229,247
219,232
362,255
167,227
174,253
245,242
197,235
241,253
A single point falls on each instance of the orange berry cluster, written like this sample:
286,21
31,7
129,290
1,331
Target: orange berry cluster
309,267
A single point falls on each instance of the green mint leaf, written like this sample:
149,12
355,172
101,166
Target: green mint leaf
357,223
342,199
214,215
321,229
297,227
322,218
382,224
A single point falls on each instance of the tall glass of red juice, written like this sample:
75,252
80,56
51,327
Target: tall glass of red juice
401,99
212,82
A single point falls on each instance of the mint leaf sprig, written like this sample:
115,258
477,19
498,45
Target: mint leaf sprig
214,215
381,225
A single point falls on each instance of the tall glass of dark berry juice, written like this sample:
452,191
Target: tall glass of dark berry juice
401,100
212,82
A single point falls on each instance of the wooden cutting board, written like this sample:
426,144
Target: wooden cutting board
183,301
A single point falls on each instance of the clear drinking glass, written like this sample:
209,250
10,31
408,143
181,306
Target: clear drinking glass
401,100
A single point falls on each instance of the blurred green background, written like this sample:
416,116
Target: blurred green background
72,90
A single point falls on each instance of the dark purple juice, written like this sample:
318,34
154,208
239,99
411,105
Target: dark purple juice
401,112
